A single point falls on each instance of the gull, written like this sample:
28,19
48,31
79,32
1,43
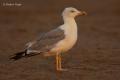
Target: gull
56,41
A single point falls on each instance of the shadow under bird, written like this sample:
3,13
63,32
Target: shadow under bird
56,41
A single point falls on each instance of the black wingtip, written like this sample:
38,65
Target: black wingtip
17,56
22,54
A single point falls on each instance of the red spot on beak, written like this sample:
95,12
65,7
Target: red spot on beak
82,13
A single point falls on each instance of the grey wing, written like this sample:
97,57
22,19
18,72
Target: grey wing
48,40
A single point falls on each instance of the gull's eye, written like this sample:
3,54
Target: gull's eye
72,11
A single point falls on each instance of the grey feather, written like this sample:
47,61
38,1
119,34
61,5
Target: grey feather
47,41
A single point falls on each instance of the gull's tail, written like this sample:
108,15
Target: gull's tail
19,55
22,54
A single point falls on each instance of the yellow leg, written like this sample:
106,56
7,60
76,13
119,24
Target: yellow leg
60,64
57,62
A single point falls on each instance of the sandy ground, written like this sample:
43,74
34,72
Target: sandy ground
96,55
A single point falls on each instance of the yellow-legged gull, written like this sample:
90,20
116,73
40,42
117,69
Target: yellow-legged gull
55,41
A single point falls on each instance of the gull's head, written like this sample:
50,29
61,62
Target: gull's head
72,12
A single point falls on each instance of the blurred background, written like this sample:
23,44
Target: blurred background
96,55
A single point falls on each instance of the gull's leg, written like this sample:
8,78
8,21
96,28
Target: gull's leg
60,63
57,62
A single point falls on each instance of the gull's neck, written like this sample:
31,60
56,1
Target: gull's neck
69,21
70,25
70,28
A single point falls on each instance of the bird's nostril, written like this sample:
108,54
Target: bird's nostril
84,13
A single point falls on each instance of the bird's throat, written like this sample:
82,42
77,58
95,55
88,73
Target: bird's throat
69,20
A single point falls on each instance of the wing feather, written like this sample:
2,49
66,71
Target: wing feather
48,40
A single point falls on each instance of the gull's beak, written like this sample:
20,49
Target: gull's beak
82,13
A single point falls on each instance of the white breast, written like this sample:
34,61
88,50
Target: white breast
70,38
